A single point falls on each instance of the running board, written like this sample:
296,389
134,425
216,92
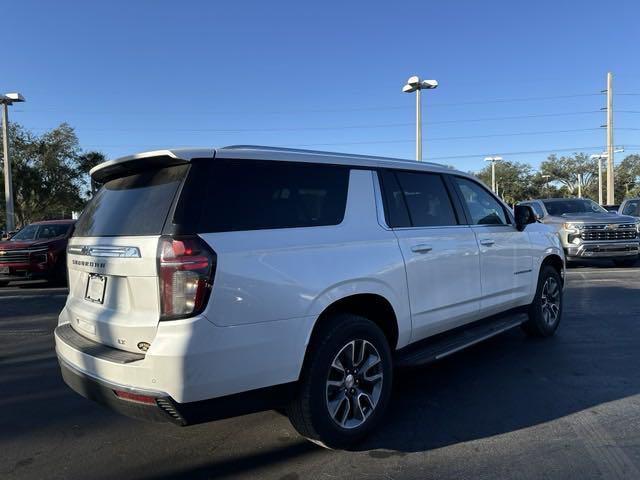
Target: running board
445,344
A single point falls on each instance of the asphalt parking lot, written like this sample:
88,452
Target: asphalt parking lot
565,408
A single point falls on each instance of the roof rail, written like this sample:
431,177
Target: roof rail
322,152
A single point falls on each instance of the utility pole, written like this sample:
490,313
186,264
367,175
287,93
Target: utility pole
7,100
610,148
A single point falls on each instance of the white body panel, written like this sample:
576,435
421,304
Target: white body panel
443,274
506,266
270,287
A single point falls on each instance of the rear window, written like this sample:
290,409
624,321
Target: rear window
133,205
235,195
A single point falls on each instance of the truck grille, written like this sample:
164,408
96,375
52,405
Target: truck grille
18,256
621,231
14,256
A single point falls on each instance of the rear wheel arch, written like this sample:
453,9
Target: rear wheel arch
371,306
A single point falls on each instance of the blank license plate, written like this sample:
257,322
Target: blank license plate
4,270
95,288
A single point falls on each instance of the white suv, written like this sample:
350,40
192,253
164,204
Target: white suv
209,283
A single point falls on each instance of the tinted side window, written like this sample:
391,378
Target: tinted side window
427,199
395,208
483,207
236,195
631,208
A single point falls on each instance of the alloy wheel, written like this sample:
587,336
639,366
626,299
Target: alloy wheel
354,383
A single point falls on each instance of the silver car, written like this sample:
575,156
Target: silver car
589,231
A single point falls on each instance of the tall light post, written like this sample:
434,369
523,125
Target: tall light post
414,84
493,161
600,157
6,100
546,183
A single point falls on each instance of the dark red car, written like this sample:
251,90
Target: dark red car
37,251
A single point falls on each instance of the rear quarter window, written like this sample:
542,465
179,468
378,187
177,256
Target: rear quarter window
227,195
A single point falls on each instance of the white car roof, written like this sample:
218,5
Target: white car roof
176,156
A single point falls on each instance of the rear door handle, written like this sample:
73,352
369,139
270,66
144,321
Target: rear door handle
487,242
421,248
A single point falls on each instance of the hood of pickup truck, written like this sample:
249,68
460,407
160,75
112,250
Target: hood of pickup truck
21,244
590,218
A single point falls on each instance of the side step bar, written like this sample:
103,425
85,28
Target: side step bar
443,345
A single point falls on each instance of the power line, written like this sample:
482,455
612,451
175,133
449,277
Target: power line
297,111
511,134
343,127
461,137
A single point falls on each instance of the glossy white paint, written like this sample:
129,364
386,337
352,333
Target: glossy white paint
131,300
443,274
506,266
271,286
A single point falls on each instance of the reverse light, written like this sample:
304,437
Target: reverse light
186,267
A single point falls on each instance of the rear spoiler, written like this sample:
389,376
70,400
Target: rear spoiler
131,164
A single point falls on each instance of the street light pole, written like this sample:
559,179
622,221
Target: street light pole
418,125
7,100
493,161
579,185
600,157
414,84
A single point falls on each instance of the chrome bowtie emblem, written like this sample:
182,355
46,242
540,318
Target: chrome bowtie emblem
611,226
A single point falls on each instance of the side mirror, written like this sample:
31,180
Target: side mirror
524,216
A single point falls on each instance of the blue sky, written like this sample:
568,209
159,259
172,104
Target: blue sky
138,75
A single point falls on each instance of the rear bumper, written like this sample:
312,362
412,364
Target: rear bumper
104,393
602,250
165,409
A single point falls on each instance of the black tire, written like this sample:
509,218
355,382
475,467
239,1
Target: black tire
626,262
540,324
309,411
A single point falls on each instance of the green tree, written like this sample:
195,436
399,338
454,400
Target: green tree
571,171
49,173
86,162
627,178
516,181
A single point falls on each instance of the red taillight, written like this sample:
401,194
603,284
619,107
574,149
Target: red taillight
135,397
186,267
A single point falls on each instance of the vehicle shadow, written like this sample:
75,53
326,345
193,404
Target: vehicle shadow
595,263
513,382
503,385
